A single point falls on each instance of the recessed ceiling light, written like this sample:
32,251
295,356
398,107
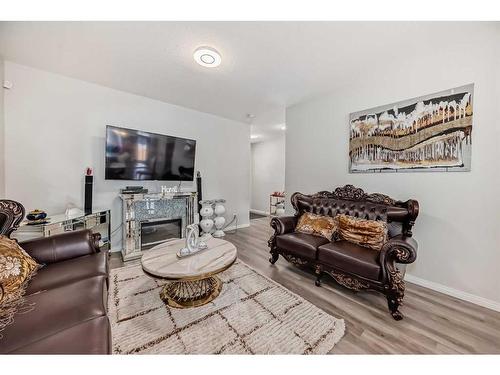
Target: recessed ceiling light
254,136
208,57
283,127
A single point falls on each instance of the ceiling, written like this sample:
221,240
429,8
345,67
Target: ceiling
266,66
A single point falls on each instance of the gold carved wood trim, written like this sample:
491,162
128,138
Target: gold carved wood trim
397,285
295,260
348,281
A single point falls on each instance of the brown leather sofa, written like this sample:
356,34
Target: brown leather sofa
66,301
351,265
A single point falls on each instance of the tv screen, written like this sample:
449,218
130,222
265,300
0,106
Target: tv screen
138,155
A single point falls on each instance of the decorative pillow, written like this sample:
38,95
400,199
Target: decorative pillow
367,233
317,225
16,269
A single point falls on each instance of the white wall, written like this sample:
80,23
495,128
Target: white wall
55,128
268,171
2,129
458,226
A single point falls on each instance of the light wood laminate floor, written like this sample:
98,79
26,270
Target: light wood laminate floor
433,322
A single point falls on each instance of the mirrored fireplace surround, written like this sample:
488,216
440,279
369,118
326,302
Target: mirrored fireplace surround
139,209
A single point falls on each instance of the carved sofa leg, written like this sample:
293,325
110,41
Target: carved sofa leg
318,272
392,302
274,257
395,294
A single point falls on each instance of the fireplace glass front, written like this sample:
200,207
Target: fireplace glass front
158,231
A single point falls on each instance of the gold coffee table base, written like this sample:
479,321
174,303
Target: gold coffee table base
192,293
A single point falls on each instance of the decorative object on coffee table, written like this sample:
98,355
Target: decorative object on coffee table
206,213
194,243
351,265
195,281
219,219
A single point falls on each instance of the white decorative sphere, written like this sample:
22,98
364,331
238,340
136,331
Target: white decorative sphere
220,209
219,221
206,208
206,225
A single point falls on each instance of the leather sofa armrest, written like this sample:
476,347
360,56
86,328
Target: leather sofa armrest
283,224
63,246
399,249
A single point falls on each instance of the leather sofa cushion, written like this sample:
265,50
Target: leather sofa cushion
352,258
301,244
68,271
55,310
89,337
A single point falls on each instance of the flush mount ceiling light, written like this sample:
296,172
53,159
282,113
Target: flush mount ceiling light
208,57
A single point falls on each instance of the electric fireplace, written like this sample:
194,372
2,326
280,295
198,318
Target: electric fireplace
154,232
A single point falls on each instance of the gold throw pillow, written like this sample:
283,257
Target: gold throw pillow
367,233
16,269
317,225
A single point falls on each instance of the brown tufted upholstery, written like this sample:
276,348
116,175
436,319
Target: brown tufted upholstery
351,265
334,207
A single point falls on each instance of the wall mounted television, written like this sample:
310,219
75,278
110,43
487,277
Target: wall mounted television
139,155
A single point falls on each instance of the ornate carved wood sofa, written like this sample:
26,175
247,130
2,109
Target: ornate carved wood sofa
351,265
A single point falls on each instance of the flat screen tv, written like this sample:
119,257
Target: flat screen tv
138,155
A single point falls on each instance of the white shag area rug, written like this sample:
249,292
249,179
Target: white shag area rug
252,315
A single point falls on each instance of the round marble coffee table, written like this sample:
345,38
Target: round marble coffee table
194,277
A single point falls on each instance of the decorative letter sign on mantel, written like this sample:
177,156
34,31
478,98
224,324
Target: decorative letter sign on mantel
142,208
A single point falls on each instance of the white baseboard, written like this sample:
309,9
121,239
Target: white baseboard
259,212
472,298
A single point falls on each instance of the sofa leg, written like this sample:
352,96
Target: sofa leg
392,302
318,281
395,293
274,257
318,276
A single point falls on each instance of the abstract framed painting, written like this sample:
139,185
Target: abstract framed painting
428,133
